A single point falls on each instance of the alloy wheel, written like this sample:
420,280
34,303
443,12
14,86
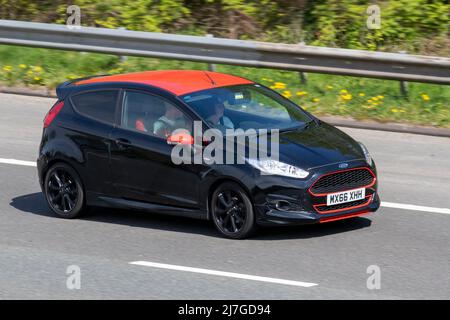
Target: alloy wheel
62,191
230,211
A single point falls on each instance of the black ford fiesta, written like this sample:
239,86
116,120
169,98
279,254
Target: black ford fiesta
109,142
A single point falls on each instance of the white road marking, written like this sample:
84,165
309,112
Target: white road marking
223,274
383,203
18,162
414,207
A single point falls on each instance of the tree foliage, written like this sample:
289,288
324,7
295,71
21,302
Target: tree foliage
413,25
342,23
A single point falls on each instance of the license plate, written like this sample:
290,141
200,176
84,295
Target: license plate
346,196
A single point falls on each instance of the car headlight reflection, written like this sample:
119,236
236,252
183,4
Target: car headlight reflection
366,153
273,167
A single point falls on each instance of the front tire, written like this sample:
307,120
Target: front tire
232,211
64,191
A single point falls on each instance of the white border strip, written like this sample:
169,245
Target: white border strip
18,162
223,274
414,207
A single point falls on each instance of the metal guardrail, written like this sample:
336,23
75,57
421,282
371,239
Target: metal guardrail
227,51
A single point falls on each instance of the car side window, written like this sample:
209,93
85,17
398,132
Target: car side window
152,115
100,105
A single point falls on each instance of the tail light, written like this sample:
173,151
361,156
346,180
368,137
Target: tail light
53,113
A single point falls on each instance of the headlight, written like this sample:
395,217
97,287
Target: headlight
366,153
274,167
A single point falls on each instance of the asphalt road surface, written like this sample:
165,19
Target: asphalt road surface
407,239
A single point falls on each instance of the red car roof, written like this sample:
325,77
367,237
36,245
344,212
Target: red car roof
178,82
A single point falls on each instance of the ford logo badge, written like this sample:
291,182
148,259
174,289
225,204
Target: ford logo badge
343,165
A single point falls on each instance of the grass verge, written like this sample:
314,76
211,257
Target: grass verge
359,98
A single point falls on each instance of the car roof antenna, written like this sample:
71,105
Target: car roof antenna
211,79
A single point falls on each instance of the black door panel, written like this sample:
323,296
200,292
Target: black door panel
141,164
142,170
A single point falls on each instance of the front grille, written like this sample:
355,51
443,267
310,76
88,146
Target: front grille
325,208
340,181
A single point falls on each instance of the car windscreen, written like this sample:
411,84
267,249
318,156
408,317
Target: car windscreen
246,107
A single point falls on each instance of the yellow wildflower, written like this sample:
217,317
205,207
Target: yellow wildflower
315,99
343,91
425,97
287,94
346,97
22,66
280,85
302,93
362,94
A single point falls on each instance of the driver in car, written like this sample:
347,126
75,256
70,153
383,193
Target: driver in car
218,119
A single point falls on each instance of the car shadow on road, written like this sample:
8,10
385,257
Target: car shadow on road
35,203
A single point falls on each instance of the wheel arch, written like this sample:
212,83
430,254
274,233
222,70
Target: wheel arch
55,161
216,184
59,150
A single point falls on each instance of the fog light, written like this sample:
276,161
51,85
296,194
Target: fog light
283,205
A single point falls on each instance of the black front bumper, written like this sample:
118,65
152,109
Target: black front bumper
267,216
303,206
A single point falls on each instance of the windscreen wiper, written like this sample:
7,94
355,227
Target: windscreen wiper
297,128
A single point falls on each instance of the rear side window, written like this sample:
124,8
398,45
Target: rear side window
100,105
152,115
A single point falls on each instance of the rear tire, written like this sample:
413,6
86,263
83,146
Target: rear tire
64,191
232,211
